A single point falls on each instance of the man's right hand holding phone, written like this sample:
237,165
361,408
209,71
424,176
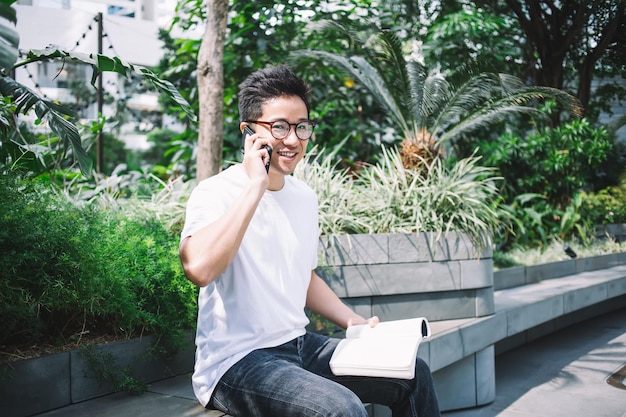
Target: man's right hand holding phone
254,148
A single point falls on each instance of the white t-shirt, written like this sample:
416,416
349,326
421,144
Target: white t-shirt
259,300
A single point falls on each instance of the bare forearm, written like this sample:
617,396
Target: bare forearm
207,253
322,300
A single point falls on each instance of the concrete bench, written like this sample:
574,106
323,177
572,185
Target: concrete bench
530,311
523,308
466,348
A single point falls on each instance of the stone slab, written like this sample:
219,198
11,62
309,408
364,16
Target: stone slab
536,273
402,278
353,249
423,247
509,277
484,302
134,356
148,404
343,250
522,275
35,385
456,385
476,273
386,279
485,376
435,306
481,333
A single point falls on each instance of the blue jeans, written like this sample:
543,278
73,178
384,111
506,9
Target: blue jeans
295,380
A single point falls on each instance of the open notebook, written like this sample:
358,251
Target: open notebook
387,350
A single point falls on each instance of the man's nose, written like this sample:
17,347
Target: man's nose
292,138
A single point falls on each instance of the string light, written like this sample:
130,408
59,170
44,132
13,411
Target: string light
112,85
33,79
84,34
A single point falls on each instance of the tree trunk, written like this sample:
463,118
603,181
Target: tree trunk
609,34
554,32
211,91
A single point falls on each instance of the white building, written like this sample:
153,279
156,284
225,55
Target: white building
129,31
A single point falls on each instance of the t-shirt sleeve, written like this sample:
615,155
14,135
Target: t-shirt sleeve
203,208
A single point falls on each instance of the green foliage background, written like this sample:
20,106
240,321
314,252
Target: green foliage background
68,270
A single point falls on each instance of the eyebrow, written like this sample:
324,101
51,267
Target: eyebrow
304,119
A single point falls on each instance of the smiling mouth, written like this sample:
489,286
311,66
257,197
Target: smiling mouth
287,154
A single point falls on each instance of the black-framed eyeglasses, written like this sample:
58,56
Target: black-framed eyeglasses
280,129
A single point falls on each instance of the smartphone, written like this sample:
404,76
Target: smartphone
247,131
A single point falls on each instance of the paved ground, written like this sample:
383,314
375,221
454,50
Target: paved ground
564,374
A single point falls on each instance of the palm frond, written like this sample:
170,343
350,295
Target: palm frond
349,33
508,83
362,71
484,117
381,68
457,101
421,100
437,93
390,63
489,97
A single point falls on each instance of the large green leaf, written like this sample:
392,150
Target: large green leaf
102,63
9,39
56,116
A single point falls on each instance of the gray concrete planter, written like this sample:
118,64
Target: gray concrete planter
523,275
616,232
37,385
403,275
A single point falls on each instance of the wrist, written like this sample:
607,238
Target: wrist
355,320
257,185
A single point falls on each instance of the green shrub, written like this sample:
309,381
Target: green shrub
555,163
69,269
334,188
388,198
141,261
607,206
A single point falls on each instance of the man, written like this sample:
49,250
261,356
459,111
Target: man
250,242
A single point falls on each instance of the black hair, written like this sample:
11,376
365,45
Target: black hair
269,83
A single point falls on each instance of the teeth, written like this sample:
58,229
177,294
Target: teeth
288,154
